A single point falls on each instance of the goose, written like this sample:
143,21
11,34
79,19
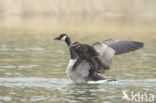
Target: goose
87,62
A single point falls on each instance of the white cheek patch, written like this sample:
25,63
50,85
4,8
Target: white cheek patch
64,38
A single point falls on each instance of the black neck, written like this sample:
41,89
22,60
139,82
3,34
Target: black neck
68,42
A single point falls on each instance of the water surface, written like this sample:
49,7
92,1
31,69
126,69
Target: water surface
32,66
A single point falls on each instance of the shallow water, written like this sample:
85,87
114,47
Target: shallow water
32,68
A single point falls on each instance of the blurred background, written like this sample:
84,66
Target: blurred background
73,15
33,65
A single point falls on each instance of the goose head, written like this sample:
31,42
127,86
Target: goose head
64,37
61,37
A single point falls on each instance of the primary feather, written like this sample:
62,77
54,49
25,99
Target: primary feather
123,46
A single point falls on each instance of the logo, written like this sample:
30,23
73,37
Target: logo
138,96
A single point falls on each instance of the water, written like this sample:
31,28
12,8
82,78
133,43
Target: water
32,66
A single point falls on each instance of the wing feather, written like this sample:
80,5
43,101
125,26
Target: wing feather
105,54
106,50
123,46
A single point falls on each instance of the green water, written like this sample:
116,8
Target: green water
32,68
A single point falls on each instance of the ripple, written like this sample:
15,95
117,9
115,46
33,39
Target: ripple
8,73
5,48
56,83
52,83
28,66
136,83
38,98
20,67
5,98
8,67
149,54
29,49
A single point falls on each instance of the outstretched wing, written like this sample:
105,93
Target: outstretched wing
105,54
107,48
123,46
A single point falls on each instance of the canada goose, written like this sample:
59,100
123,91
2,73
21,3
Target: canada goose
87,62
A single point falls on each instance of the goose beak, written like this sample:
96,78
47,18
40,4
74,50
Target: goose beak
57,38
